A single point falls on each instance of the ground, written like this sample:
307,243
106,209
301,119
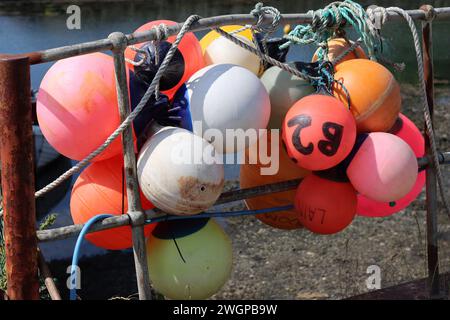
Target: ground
277,264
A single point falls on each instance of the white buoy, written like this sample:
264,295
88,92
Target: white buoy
226,101
222,50
179,172
284,90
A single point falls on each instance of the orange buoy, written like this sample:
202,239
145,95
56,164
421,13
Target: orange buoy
319,132
77,106
99,189
251,176
337,46
375,99
187,60
325,206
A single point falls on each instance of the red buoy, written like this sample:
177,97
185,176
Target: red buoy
100,188
187,60
325,206
319,132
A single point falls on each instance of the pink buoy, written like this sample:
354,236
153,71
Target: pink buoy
77,106
384,168
406,130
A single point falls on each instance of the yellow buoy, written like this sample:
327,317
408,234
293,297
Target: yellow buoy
213,35
189,259
219,50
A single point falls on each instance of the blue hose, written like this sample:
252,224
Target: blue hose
76,251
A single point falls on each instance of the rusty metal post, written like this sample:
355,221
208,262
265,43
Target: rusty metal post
17,172
135,211
431,181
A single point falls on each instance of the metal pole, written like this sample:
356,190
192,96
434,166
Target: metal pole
202,24
16,152
431,185
226,197
135,212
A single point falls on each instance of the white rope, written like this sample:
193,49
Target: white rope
351,48
263,56
140,62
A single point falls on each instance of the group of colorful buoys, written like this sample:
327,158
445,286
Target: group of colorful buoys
353,159
361,153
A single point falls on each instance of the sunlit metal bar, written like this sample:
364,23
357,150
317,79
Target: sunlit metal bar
135,212
226,197
202,24
122,220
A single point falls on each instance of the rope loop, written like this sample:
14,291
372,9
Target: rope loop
260,11
326,81
162,32
138,51
376,16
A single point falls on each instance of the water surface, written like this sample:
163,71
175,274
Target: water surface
29,27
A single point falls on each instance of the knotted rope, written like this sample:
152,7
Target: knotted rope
260,12
327,21
376,18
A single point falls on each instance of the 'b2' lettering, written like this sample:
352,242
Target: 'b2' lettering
331,131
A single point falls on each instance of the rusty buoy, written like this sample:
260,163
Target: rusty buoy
180,172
